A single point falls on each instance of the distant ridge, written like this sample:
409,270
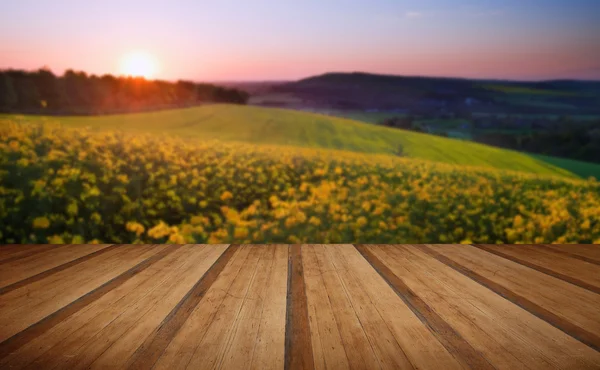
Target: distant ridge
369,91
358,74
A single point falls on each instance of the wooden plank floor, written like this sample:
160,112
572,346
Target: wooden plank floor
300,307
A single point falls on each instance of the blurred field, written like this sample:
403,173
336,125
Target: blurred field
508,89
61,185
579,168
287,127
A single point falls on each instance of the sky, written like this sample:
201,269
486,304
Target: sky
226,40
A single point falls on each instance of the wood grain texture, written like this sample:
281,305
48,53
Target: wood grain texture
446,334
395,336
15,339
561,266
27,271
506,334
11,253
584,252
546,297
154,345
32,303
298,307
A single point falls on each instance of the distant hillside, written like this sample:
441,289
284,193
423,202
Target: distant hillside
286,127
432,94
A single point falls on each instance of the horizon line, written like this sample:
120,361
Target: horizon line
453,77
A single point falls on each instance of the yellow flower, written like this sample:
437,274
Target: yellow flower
135,227
290,221
518,221
585,225
56,239
314,221
176,239
96,218
361,221
226,195
41,223
159,231
77,239
14,145
197,220
240,233
72,209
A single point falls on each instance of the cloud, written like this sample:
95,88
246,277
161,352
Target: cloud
413,14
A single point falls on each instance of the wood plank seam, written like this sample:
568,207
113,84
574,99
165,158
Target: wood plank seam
146,356
460,349
56,269
558,322
547,271
32,253
352,305
20,339
572,255
298,345
244,299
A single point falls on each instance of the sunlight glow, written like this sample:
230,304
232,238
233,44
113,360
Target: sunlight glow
139,64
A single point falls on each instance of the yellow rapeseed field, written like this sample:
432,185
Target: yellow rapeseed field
63,185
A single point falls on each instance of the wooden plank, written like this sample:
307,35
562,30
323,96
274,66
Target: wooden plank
81,347
324,330
157,341
507,335
245,340
27,270
11,253
574,271
269,351
33,303
117,341
397,336
211,350
567,307
450,338
585,252
181,348
82,320
359,349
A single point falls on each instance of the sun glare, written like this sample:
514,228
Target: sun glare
139,64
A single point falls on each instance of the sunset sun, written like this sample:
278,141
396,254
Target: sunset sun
139,64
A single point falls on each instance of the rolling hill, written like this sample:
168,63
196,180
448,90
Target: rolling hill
384,92
286,127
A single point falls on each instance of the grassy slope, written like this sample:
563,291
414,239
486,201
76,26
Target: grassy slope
287,127
581,169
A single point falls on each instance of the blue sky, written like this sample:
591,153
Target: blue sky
262,39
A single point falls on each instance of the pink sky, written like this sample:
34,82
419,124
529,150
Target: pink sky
268,40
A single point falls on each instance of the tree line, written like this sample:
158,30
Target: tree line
77,93
580,141
561,137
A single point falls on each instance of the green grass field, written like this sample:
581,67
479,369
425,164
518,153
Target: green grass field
579,168
287,127
507,89
369,117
